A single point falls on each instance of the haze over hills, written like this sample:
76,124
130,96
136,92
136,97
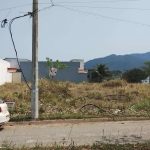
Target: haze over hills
120,62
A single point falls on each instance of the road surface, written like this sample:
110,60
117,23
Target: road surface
79,133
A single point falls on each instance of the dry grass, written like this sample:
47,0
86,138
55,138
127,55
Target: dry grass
65,99
73,146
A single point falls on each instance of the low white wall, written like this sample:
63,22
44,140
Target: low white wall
4,75
8,77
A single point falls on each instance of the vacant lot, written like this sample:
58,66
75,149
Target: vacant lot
114,98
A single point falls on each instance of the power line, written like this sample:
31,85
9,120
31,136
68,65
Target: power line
8,13
15,7
15,46
22,6
108,7
70,2
102,16
3,25
94,14
29,14
52,2
36,10
102,1
3,22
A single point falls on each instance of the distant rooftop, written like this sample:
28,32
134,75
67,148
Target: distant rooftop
76,60
20,59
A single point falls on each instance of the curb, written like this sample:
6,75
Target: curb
75,121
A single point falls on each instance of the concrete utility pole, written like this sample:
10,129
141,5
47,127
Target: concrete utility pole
34,92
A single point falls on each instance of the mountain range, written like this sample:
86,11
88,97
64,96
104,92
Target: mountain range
120,62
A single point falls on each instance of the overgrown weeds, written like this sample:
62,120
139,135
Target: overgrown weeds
60,100
115,83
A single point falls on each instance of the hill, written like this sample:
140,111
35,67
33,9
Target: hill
120,62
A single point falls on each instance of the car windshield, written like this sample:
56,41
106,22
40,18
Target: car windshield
1,101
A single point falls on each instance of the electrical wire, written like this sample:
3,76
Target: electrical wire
15,46
94,14
52,2
16,51
35,10
93,7
23,6
107,17
3,20
68,2
3,23
30,14
10,24
8,13
100,109
100,1
15,7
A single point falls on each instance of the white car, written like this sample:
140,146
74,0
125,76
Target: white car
4,114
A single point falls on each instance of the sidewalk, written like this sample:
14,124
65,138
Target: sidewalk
75,121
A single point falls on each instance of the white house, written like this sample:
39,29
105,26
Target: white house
5,76
9,70
147,80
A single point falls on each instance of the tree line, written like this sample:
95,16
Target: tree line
101,73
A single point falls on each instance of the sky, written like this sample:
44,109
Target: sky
77,29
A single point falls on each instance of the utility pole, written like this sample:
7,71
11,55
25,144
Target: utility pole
34,92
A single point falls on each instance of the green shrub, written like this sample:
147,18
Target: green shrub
143,105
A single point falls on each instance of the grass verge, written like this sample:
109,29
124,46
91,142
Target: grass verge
73,146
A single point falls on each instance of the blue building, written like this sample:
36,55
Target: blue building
74,73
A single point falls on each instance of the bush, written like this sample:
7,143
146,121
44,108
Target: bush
134,76
114,83
143,105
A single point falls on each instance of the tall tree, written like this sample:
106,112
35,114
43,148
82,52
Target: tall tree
134,76
53,67
116,73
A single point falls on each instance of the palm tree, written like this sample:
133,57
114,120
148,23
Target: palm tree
102,71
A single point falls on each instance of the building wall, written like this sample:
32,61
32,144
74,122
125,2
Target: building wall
14,62
68,74
4,75
81,62
16,77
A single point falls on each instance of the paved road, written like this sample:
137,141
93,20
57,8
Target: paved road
81,133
